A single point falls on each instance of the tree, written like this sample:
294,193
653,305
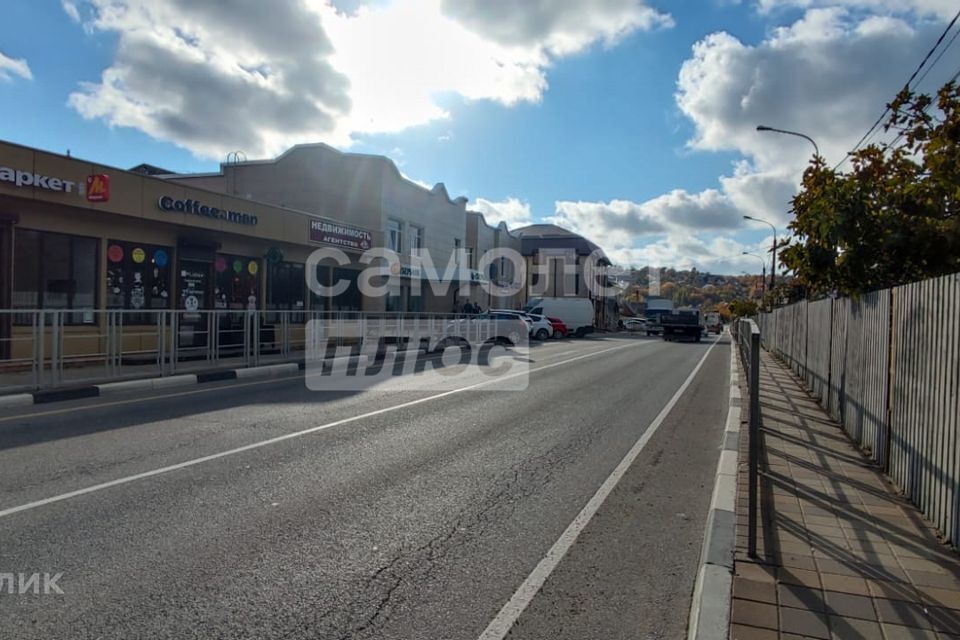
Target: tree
893,218
743,308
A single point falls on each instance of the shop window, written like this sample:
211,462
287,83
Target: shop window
236,282
318,302
55,271
138,278
349,300
285,288
414,302
394,300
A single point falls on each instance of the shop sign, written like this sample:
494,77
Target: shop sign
38,180
197,208
340,235
98,187
405,270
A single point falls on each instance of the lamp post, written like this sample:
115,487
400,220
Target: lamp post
773,261
763,272
816,149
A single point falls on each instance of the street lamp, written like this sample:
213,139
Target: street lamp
763,272
773,262
816,149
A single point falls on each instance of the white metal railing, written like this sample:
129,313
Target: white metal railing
42,349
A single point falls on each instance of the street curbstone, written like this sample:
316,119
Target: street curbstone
719,551
724,491
16,400
731,441
711,603
109,388
59,395
267,371
733,420
710,608
174,381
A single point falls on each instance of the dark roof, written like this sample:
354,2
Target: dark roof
551,236
149,170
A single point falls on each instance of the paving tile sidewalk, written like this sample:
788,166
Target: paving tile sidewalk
842,555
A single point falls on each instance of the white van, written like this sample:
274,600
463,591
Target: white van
576,313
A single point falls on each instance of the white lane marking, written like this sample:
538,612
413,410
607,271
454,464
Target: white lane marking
500,626
288,436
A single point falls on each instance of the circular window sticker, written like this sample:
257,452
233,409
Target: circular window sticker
220,264
237,266
160,258
190,303
252,267
115,253
138,255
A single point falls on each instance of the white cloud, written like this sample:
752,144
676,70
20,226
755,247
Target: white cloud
309,71
511,211
10,67
70,8
923,8
829,75
716,254
558,26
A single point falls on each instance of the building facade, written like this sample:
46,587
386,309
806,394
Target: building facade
369,192
560,263
84,238
498,280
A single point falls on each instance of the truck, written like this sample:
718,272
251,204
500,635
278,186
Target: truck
713,322
684,323
576,313
655,309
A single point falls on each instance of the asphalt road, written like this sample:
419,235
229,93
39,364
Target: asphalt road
403,514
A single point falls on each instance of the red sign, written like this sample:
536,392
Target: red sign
340,235
98,187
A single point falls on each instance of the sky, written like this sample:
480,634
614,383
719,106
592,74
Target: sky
632,122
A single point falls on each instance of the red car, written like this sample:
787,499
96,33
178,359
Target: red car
559,329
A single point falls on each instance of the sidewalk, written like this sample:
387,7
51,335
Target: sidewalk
841,555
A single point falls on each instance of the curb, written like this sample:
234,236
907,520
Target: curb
149,383
710,608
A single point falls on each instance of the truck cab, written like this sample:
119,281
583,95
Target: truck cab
683,323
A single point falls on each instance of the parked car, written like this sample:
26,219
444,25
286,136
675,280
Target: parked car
540,327
635,324
576,313
560,330
489,327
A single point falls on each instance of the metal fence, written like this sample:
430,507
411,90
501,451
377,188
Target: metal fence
42,349
886,365
747,336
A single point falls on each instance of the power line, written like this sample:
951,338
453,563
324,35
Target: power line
907,85
925,110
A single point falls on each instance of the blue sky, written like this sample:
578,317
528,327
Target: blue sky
629,121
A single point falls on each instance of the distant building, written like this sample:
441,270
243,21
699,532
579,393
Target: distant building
561,263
